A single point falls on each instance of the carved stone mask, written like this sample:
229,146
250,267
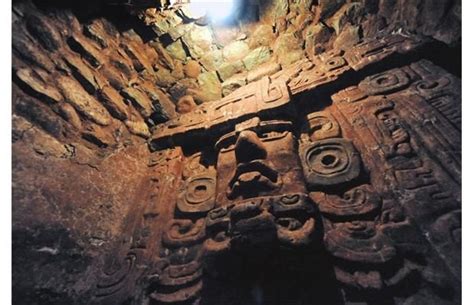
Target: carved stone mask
258,159
262,198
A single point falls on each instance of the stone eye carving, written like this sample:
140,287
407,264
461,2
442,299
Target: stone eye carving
198,195
329,162
385,82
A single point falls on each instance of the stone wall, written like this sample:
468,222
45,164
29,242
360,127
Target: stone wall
106,76
69,203
268,37
92,80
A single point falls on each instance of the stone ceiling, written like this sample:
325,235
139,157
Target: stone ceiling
105,73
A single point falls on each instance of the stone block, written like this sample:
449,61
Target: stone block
87,50
139,100
329,7
41,89
138,128
163,56
185,104
273,10
198,41
234,83
192,69
67,112
349,13
265,69
135,53
98,136
44,31
349,36
176,50
164,78
159,99
228,69
82,73
287,42
212,60
235,50
95,31
262,36
31,52
209,83
113,101
82,101
256,57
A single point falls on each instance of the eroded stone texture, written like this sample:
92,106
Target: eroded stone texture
310,157
31,79
334,190
83,102
72,211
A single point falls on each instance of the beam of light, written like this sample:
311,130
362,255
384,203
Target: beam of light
216,10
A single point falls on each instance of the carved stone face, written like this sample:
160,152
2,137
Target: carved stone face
261,192
258,159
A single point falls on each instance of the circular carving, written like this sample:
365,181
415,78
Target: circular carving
431,85
329,162
361,200
198,195
386,82
334,63
358,241
114,276
184,232
199,191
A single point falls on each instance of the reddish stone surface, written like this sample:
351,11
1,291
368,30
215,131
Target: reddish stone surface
328,174
356,186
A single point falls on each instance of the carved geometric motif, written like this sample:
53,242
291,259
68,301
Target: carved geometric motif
385,82
322,125
198,195
359,241
361,200
411,138
287,218
329,162
371,51
368,176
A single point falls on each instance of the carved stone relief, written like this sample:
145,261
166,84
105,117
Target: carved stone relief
356,182
329,162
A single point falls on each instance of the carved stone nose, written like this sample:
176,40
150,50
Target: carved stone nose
249,147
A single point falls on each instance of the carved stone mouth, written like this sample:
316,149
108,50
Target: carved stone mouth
252,176
285,220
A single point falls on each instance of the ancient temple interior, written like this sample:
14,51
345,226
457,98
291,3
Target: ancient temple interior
240,152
